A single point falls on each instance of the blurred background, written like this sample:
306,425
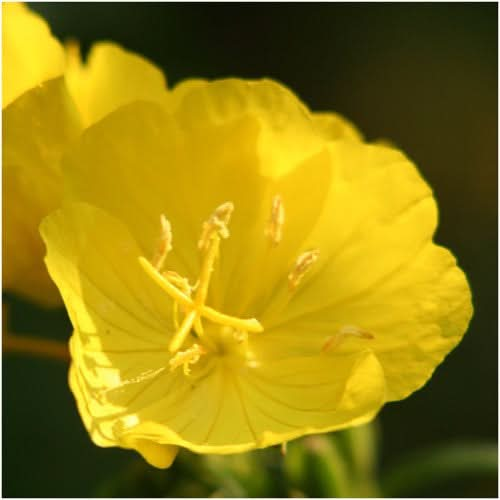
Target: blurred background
423,76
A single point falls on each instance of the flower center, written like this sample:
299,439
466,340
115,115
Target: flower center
191,300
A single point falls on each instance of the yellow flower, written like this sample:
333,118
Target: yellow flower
48,98
240,271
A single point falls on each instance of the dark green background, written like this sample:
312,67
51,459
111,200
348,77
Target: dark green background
422,75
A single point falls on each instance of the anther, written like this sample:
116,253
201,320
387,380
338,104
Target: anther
274,229
185,358
216,225
165,244
346,331
302,265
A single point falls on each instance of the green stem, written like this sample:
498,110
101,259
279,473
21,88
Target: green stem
361,445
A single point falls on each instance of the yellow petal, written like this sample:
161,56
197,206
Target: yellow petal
417,316
122,324
37,127
137,154
94,262
111,77
230,411
183,88
365,208
158,455
122,327
30,54
281,399
375,235
286,135
333,126
377,215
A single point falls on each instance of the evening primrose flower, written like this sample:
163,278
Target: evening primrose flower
48,98
240,271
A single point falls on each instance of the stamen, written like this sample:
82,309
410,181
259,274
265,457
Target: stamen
250,325
171,290
185,358
274,229
198,326
335,340
175,314
165,244
222,214
213,230
216,225
183,285
181,334
302,265
190,300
